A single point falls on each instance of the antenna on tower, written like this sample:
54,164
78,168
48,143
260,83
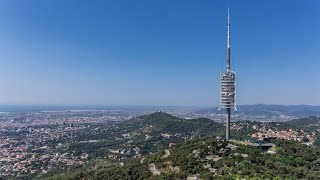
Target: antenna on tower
228,42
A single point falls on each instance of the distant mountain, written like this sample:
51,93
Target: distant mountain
271,110
297,110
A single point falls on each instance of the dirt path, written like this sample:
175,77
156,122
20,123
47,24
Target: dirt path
152,168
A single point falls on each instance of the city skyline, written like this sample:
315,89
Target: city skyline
157,53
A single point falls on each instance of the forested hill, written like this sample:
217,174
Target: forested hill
161,146
161,122
210,159
303,123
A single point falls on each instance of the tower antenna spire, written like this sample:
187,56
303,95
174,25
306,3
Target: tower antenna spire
228,42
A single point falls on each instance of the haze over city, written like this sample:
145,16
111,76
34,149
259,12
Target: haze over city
157,52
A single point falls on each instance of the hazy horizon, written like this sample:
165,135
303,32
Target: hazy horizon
128,106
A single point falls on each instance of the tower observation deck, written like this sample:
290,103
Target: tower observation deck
228,86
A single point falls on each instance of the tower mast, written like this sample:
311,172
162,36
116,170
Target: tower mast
228,42
228,88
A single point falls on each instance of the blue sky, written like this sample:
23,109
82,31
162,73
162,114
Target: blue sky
159,52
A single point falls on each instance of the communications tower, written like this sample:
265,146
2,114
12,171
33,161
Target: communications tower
228,86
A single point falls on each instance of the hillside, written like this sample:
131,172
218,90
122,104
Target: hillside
163,123
161,146
305,123
141,135
215,159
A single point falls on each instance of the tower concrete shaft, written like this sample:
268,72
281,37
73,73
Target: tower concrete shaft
228,124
